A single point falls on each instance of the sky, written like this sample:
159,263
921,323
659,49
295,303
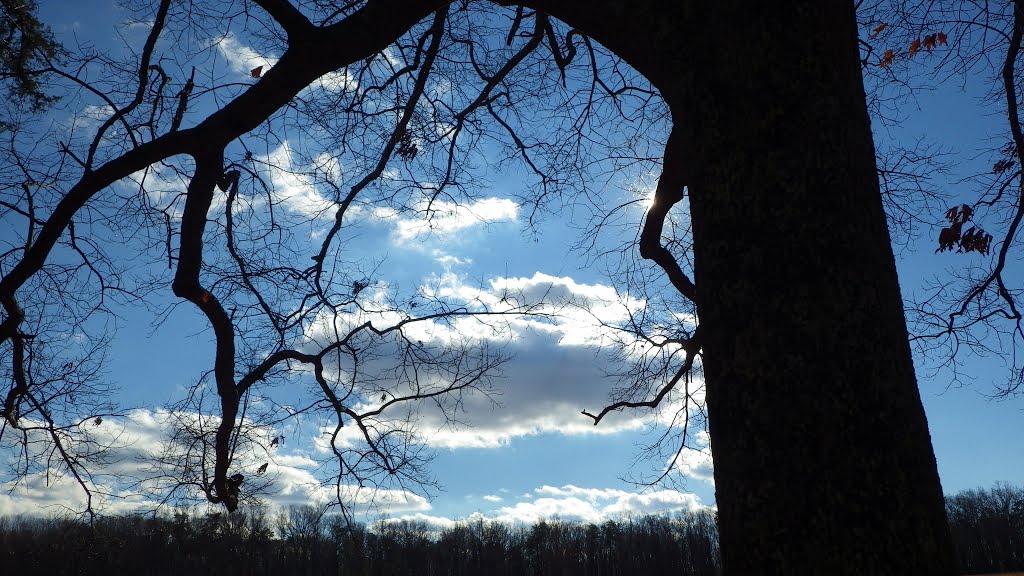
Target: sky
530,454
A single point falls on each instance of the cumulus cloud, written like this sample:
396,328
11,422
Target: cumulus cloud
577,504
571,509
433,523
574,503
114,485
542,390
92,116
561,360
559,366
696,461
134,480
56,493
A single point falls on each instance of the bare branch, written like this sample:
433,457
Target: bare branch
668,193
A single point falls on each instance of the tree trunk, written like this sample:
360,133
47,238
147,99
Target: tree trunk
823,460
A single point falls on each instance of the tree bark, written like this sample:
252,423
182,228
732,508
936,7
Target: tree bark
823,459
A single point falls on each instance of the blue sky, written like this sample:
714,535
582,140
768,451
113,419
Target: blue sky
528,454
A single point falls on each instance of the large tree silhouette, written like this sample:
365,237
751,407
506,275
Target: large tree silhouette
806,363
823,461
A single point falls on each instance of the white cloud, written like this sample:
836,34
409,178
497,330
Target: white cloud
560,362
337,81
573,503
449,261
240,57
55,493
559,369
96,113
130,483
433,523
660,502
166,186
569,509
243,59
83,126
696,462
329,165
292,187
445,220
559,366
305,489
393,59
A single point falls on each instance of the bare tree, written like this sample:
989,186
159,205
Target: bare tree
969,312
284,311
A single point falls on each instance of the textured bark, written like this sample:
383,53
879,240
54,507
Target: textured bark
823,460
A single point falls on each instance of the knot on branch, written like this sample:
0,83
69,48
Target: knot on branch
229,180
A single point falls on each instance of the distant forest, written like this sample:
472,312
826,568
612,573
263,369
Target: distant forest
987,526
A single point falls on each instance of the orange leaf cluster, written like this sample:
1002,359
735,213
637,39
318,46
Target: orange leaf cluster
915,46
407,148
929,43
974,240
961,214
887,58
1002,166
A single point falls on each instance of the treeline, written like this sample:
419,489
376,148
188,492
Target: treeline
303,541
988,529
987,526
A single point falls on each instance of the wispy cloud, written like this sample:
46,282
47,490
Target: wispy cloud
241,57
292,185
578,504
445,220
